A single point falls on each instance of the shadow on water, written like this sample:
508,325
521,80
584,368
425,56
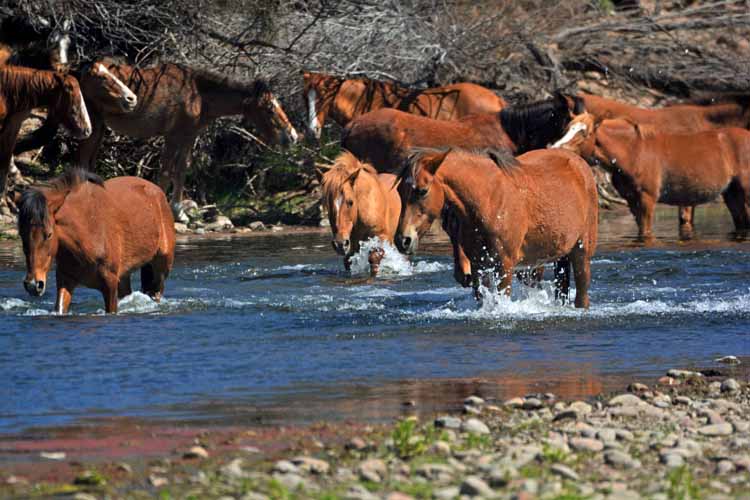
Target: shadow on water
270,330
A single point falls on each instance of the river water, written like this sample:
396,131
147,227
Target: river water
269,329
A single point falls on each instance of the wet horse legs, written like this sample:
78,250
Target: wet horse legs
65,289
581,259
736,198
562,279
686,215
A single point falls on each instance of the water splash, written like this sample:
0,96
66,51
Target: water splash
394,263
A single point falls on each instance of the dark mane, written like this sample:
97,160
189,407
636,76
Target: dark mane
534,126
32,210
502,157
707,99
214,81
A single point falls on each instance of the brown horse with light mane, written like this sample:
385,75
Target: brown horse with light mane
178,102
97,233
649,166
23,89
345,99
541,207
361,204
386,137
702,114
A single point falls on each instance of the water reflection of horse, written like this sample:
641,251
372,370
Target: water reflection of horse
705,113
386,137
345,99
97,233
540,207
21,90
650,166
361,204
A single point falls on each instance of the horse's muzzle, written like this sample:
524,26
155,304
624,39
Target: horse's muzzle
341,247
408,243
35,288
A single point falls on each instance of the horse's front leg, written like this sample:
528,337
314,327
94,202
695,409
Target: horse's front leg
65,289
562,279
374,257
645,216
461,266
504,274
109,288
686,215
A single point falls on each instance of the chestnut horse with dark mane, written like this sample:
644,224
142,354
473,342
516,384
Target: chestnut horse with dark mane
650,166
21,90
345,99
541,207
97,233
385,138
705,113
361,204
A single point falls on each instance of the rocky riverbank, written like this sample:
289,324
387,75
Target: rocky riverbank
685,436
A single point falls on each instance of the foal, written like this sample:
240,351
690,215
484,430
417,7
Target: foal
361,204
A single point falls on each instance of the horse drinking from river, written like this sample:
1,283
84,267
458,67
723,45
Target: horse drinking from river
649,166
178,102
97,233
21,90
361,204
541,207
345,99
385,138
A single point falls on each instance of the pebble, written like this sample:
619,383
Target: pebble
359,492
502,475
234,469
619,459
83,496
586,444
725,467
438,473
566,415
157,481
291,481
724,429
441,448
356,444
448,493
728,360
564,471
472,410
373,470
514,402
448,422
667,381
285,467
311,465
683,374
532,404
476,487
625,400
672,459
637,387
742,463
730,385
581,407
196,452
475,426
606,435
683,400
397,495
474,401
257,226
53,455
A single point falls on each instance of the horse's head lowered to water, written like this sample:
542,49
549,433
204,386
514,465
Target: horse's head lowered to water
37,209
263,112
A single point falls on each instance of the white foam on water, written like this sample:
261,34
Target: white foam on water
13,303
139,303
394,263
387,292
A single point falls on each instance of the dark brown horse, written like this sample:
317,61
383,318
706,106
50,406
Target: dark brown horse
21,90
541,207
703,114
97,233
345,99
35,43
649,166
385,138
178,102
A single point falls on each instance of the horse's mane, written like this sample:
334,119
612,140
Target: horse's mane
24,86
502,157
32,209
343,167
533,126
209,80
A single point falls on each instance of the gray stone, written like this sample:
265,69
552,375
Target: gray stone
730,385
564,471
373,470
311,465
257,226
624,434
472,410
671,459
581,407
625,400
448,422
200,230
474,401
447,493
181,228
620,460
475,426
683,374
285,467
713,416
441,448
683,400
724,429
725,467
474,486
532,404
291,481
565,415
606,435
359,492
234,469
514,402
356,444
586,444
438,473
501,475
728,360
196,452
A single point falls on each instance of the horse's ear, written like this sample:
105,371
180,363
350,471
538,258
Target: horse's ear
432,162
352,178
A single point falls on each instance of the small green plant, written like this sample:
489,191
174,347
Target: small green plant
477,441
553,454
682,484
278,491
406,439
165,495
606,5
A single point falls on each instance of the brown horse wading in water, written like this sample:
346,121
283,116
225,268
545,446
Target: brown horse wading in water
361,204
21,90
345,99
706,113
385,138
541,207
97,233
649,166
178,102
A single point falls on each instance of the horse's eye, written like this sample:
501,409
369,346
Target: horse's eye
350,203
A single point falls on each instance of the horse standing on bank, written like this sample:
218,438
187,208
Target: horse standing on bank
385,138
541,207
35,43
361,204
649,166
23,89
345,99
97,233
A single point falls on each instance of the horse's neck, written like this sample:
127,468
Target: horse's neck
466,189
222,101
29,89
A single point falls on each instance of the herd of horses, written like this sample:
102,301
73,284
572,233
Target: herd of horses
511,184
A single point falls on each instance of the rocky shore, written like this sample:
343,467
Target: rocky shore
685,436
